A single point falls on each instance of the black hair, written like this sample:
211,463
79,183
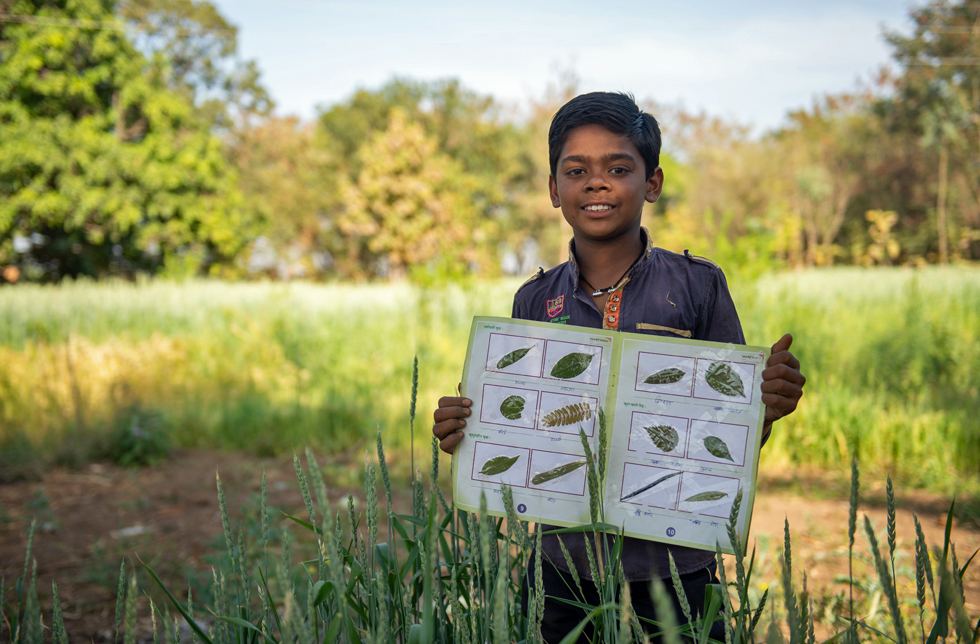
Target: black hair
615,111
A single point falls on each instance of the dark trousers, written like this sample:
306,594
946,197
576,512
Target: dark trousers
560,617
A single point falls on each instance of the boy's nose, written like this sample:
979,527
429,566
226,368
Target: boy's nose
596,183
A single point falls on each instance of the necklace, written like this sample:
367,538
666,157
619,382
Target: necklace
596,292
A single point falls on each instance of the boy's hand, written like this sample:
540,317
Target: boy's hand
782,382
449,421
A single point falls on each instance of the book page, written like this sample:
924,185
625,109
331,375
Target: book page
533,386
685,439
683,424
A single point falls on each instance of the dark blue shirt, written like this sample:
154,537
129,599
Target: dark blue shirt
664,294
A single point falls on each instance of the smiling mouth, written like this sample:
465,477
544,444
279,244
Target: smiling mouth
598,208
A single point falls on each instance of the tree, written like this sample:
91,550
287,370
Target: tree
938,99
103,169
201,48
410,207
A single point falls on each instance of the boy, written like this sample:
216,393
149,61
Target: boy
604,159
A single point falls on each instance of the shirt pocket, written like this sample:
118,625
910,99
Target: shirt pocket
658,329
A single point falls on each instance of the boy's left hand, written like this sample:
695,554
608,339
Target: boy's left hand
782,382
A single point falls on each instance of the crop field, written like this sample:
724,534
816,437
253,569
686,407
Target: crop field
892,358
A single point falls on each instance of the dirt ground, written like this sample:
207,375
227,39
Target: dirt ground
167,516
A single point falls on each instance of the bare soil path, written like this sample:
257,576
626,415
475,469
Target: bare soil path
168,515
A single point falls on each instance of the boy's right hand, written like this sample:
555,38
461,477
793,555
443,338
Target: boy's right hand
450,421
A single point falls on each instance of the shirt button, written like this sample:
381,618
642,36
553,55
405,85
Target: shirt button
613,308
612,319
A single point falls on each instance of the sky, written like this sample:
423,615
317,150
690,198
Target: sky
747,61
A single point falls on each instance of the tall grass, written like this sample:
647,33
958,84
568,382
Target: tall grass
892,358
440,574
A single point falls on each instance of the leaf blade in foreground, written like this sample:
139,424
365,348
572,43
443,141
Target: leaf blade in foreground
718,448
498,465
571,365
711,495
556,472
723,379
512,357
663,436
665,376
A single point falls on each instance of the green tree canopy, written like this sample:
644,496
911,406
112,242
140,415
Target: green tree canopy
103,168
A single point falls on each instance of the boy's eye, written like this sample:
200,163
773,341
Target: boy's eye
619,170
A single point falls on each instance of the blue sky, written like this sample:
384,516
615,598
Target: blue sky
750,61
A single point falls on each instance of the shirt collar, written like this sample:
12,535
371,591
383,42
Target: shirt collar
573,263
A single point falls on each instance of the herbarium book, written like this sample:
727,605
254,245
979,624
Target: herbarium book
683,423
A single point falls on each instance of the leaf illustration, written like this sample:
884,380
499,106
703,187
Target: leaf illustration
650,486
567,415
712,495
717,447
512,357
556,472
571,365
665,376
498,465
723,379
663,436
512,407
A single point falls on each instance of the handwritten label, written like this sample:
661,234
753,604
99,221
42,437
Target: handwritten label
633,404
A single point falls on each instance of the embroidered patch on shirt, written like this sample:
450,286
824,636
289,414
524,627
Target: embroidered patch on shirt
556,306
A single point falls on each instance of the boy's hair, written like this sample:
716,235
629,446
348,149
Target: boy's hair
618,113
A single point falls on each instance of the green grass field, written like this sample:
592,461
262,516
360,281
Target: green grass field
892,358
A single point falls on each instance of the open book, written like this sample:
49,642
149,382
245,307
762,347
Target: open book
683,425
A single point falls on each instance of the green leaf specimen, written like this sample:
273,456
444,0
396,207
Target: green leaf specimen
717,447
512,357
571,365
712,495
663,436
650,486
556,472
665,376
512,407
723,379
498,465
567,415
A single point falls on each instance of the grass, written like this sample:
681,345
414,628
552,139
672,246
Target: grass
438,574
892,358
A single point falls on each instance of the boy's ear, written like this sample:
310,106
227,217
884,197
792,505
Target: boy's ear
553,190
655,184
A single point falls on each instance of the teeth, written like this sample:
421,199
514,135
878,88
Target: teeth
598,208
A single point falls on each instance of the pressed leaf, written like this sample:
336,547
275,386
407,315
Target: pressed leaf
512,357
498,465
712,495
723,379
649,486
717,447
556,472
665,376
512,407
567,415
663,436
571,365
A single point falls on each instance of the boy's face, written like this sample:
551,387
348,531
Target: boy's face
600,184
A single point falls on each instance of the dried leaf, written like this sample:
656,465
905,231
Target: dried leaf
498,465
663,436
567,415
512,407
650,486
712,495
723,379
717,447
512,357
571,365
556,472
665,376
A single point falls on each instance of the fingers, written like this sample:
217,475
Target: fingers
783,343
449,421
789,371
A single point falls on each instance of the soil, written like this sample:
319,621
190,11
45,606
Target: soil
167,516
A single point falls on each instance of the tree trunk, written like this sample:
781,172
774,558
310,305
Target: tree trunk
941,205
